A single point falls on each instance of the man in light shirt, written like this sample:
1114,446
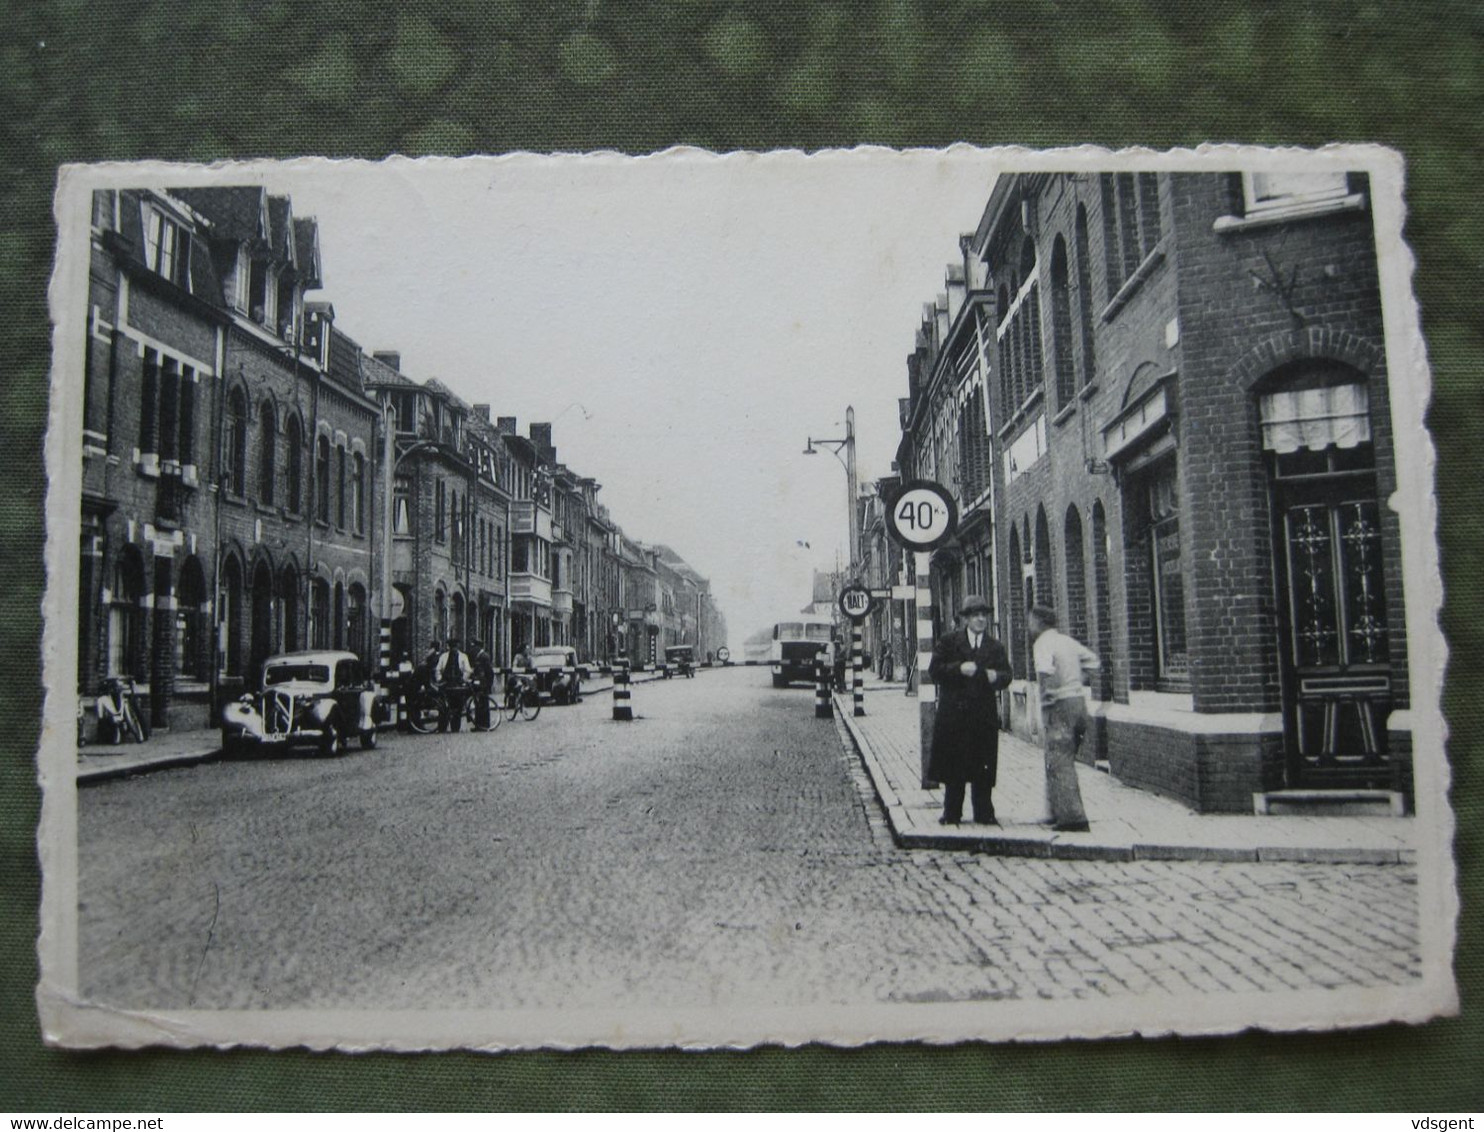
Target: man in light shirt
1062,667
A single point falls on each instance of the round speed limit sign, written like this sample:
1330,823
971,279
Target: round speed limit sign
923,516
723,654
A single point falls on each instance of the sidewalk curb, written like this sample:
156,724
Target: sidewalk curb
1048,848
88,775
124,768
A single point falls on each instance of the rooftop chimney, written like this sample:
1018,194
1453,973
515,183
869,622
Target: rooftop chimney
505,426
541,438
482,412
391,358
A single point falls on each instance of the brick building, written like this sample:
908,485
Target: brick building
1190,424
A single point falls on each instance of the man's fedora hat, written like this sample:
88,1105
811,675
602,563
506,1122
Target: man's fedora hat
973,604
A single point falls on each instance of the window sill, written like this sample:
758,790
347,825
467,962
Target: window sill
1088,391
1022,414
265,508
1132,284
1065,414
231,497
1302,210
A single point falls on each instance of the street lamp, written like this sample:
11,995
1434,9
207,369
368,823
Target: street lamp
847,442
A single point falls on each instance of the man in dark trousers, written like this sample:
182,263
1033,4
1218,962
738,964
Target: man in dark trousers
453,675
969,668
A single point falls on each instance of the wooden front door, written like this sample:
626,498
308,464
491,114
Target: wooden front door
1336,670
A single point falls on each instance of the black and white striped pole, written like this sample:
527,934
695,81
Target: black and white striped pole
857,679
822,706
623,707
856,602
922,517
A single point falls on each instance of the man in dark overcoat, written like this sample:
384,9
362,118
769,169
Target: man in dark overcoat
969,668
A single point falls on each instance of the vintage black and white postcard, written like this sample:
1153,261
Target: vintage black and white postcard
708,600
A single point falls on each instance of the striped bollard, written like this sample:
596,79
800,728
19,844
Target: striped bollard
822,707
385,650
857,678
927,692
623,708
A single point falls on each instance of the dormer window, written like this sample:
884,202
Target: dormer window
258,292
167,247
287,313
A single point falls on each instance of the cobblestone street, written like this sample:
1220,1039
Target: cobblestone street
723,850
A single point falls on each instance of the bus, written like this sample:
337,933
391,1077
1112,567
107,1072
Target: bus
795,645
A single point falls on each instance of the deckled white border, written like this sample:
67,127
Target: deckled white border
66,1020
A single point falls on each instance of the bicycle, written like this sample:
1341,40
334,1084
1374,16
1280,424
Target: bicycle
426,707
522,699
118,713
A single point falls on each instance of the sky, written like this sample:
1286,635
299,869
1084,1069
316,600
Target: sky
685,321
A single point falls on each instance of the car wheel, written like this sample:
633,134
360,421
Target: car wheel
231,743
331,743
368,740
779,682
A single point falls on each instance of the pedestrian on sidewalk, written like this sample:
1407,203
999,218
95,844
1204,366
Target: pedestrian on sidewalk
970,668
1063,665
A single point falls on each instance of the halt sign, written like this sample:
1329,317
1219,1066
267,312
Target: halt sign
856,601
923,516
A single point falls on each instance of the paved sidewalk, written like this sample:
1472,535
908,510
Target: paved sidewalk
100,762
1127,824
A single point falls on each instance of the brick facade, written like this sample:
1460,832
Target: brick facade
1139,321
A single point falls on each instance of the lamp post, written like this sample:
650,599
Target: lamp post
847,443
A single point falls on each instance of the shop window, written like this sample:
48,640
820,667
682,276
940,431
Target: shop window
1162,501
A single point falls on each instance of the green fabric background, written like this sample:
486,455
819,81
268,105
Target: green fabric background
84,81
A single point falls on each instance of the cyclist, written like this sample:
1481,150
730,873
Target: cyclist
484,680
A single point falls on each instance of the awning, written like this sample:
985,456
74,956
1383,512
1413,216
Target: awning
1337,415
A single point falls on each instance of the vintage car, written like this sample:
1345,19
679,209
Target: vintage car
680,660
307,698
558,674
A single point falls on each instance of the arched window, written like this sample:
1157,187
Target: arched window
355,618
340,474
1076,575
288,596
229,614
1019,646
1045,580
126,617
456,624
293,478
339,639
319,613
440,616
1102,601
192,639
1084,296
1061,326
267,450
358,493
322,477
234,444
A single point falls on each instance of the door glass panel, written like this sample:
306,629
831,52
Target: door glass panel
1316,637
1365,599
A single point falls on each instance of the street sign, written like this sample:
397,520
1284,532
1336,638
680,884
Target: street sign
856,601
723,654
922,516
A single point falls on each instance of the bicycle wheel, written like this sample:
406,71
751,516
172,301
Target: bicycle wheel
495,714
530,706
424,713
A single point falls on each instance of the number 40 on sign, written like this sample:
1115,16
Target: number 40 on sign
923,516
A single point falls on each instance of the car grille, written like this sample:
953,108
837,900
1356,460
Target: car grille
278,713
